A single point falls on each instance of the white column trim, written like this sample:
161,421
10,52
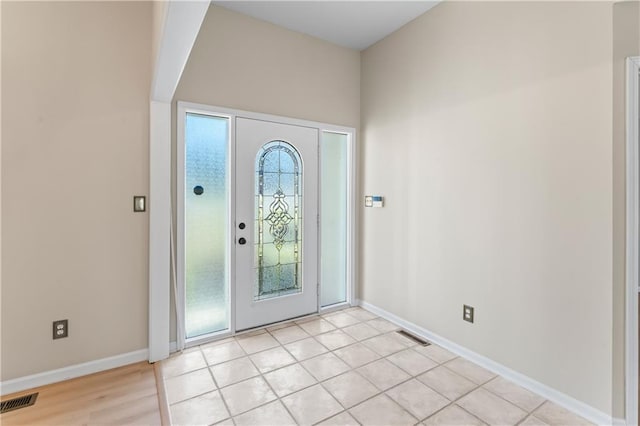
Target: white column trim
181,24
632,249
159,229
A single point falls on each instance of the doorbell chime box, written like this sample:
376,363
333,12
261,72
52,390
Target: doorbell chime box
373,201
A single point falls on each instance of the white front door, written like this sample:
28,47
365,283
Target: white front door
276,224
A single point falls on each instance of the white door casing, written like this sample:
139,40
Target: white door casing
251,136
632,237
311,189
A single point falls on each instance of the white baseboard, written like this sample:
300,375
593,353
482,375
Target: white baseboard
72,371
580,408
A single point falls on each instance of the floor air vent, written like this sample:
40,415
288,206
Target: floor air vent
16,403
414,338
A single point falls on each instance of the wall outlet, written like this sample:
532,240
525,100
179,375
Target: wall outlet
467,313
60,329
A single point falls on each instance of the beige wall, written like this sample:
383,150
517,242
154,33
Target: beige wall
626,42
158,13
75,86
487,126
240,62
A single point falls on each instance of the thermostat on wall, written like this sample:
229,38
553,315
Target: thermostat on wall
373,201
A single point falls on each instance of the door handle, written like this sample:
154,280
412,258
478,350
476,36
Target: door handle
242,241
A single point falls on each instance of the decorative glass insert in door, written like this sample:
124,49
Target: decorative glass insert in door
206,224
278,214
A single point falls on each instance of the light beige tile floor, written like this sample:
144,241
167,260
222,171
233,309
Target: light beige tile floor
343,368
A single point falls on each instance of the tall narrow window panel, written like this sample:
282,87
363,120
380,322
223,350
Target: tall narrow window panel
334,148
206,224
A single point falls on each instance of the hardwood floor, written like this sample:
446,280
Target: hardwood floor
125,395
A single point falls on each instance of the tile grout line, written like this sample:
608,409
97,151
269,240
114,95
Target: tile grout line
379,391
383,392
261,375
322,383
449,405
280,344
527,412
318,382
438,364
455,401
278,398
531,413
267,381
266,331
308,372
215,382
351,370
477,387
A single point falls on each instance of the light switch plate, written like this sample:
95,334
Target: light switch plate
139,203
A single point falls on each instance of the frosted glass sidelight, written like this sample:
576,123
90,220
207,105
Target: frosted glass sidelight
334,180
278,257
206,206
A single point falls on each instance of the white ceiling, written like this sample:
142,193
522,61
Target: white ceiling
353,24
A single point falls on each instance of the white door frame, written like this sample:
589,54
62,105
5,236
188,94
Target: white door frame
182,109
633,247
181,338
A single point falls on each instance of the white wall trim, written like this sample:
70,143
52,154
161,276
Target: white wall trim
632,243
590,413
182,21
180,28
72,371
159,229
353,204
179,285
618,422
231,112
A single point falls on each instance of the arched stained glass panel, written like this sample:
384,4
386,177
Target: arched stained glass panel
278,247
